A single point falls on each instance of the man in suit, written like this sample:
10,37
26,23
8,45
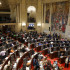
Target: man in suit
49,66
25,62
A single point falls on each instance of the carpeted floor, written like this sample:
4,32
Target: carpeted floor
60,65
52,60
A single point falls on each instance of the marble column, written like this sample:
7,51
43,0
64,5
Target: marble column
18,17
69,14
17,13
24,15
39,16
67,31
44,12
13,11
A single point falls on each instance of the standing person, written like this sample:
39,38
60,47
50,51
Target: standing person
37,65
3,54
67,62
55,65
49,66
29,45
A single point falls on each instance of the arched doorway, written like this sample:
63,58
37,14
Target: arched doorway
31,18
31,14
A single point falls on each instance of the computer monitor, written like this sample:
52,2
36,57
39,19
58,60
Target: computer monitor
31,26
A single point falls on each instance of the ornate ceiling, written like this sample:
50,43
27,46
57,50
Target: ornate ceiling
4,4
8,4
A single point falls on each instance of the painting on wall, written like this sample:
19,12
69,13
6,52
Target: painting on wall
47,16
46,13
31,14
31,18
60,16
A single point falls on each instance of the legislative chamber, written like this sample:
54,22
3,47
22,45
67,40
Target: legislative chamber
34,34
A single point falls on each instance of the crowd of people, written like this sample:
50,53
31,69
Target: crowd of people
38,39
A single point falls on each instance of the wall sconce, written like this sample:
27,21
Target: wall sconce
23,24
0,3
39,24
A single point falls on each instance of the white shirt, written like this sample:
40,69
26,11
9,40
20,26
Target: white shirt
27,68
28,45
41,65
14,66
17,60
5,67
3,53
66,60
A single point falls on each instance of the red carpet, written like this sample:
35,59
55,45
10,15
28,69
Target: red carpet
52,60
60,65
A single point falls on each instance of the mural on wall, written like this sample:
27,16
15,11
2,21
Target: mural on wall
60,16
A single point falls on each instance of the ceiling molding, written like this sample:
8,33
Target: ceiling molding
52,1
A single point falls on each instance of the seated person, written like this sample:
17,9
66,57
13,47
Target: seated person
40,44
36,45
34,62
18,58
29,45
40,56
51,45
49,66
17,42
37,65
61,55
12,50
55,66
44,60
32,51
3,53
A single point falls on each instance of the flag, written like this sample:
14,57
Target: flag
62,21
63,25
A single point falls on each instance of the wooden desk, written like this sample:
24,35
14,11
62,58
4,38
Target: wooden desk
53,55
62,60
6,62
32,46
38,48
9,58
32,61
26,43
20,62
45,52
